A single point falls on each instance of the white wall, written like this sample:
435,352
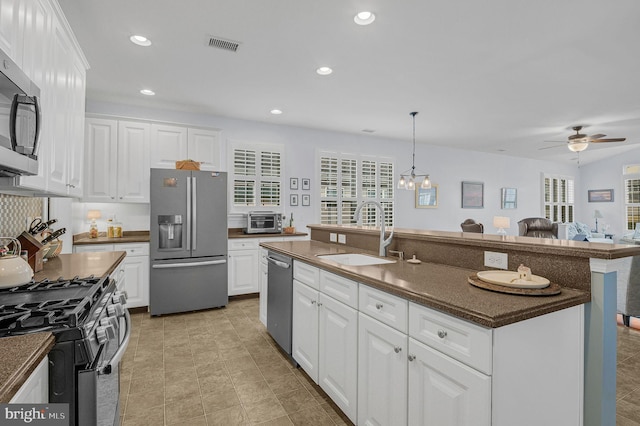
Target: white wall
605,174
448,167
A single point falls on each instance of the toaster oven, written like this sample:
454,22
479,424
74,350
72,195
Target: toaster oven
261,222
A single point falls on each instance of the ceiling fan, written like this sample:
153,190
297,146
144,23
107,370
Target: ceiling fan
579,142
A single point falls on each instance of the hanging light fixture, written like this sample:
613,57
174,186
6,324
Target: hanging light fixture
408,177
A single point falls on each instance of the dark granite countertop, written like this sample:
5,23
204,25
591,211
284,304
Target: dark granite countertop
435,285
20,355
81,265
127,237
239,233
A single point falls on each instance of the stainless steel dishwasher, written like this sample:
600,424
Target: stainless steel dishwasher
280,299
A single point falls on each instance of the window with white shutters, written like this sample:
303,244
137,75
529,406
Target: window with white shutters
257,176
346,181
559,198
631,176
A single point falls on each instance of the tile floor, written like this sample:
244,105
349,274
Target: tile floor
220,367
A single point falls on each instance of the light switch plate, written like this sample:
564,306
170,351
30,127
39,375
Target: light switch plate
497,260
333,237
342,239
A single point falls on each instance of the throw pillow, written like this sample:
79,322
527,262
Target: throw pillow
583,228
572,230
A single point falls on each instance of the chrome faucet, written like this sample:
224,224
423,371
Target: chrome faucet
383,243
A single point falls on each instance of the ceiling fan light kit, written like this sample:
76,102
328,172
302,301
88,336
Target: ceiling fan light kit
408,177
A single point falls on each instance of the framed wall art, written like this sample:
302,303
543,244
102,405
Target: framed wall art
293,199
306,199
427,198
509,198
293,184
306,184
600,195
472,195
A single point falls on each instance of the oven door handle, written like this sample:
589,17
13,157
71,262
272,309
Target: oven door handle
117,357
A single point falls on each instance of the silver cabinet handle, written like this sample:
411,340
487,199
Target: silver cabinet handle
313,302
379,306
397,349
442,334
411,357
319,304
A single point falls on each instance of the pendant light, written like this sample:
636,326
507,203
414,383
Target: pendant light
408,177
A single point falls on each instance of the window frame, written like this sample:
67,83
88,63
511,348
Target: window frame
558,210
339,196
259,179
626,177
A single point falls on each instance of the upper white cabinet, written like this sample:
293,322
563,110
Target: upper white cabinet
36,35
173,143
117,163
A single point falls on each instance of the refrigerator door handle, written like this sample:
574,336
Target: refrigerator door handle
188,247
194,214
189,265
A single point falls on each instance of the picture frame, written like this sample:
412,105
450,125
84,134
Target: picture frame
472,195
427,198
600,195
306,200
293,183
293,199
306,184
509,198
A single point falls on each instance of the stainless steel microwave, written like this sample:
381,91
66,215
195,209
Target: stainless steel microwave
20,120
263,223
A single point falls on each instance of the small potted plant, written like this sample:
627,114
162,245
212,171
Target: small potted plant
290,229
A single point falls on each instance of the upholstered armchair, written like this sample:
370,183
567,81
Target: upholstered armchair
470,225
539,227
629,289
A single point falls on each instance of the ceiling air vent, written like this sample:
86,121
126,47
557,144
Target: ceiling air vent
223,44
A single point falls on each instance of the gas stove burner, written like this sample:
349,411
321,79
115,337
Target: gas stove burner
47,284
53,314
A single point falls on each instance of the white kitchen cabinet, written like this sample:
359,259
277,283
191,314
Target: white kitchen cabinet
35,390
443,391
264,287
117,161
382,374
36,20
243,267
304,328
172,143
133,276
9,28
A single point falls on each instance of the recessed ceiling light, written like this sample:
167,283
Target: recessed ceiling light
140,40
364,18
147,92
276,111
324,70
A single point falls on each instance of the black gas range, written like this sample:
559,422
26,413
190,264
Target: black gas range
91,327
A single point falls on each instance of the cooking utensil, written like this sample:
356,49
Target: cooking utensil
37,225
14,270
54,235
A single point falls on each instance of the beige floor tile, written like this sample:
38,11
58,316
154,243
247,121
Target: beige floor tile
296,400
253,392
265,409
314,415
151,417
142,383
240,363
248,375
175,392
139,404
280,421
228,417
216,401
283,383
181,412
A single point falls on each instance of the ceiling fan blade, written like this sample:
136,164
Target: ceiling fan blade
598,136
609,140
551,147
556,141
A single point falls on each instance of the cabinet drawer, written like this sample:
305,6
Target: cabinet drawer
461,340
86,248
133,249
341,289
307,274
385,307
243,244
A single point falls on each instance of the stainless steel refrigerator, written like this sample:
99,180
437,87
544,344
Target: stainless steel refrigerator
188,241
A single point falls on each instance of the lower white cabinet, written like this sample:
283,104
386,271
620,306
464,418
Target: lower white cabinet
35,390
324,343
132,274
382,374
443,391
264,288
243,272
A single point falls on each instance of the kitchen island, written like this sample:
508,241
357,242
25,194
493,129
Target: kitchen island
585,271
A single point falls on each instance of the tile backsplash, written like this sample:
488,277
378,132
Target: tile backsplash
14,211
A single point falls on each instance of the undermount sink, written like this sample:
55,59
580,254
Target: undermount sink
355,259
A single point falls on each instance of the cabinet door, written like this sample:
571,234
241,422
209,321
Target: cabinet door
35,390
204,146
36,34
304,328
133,162
338,354
88,248
136,280
75,137
9,28
382,374
443,391
243,272
101,139
168,144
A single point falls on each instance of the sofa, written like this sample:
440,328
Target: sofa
580,232
628,287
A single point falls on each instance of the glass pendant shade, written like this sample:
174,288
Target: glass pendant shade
578,146
402,184
426,183
411,184
408,178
